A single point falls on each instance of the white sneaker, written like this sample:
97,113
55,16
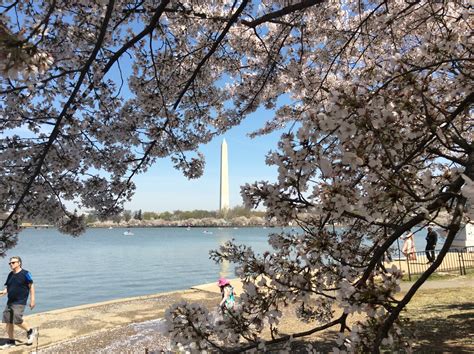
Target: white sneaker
32,336
7,344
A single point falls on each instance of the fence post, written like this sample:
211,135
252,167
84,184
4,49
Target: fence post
408,268
462,266
399,255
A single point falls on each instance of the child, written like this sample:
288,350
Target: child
227,293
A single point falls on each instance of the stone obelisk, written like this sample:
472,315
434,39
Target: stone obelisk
224,202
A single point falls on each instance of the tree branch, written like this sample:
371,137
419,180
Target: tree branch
219,39
453,229
64,113
337,321
282,12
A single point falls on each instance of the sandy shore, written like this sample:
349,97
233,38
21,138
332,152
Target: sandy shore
131,325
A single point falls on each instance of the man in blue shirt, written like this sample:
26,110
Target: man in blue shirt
19,285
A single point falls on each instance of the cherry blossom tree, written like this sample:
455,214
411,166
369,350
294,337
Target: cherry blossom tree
381,100
377,95
94,92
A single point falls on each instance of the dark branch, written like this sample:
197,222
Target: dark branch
232,20
453,229
64,113
282,12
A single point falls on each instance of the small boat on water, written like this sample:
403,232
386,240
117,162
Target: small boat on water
207,232
128,233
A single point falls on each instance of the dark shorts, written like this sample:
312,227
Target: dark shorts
13,314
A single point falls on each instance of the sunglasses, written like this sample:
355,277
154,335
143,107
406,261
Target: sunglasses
12,262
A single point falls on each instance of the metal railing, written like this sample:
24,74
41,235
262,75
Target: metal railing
457,259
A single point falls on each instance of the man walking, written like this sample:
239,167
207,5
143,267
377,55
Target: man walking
19,285
431,240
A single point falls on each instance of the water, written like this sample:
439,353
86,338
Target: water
105,264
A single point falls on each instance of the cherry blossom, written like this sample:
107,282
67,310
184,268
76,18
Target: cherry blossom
376,97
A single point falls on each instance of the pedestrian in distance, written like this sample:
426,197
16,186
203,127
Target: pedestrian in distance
409,247
431,240
18,286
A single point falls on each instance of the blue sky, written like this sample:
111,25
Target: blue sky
162,188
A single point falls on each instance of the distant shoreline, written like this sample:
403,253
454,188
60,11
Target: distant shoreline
184,226
161,224
156,226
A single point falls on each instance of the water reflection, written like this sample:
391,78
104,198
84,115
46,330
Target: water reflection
224,271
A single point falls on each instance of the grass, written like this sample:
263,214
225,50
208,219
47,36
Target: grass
438,320
442,320
440,276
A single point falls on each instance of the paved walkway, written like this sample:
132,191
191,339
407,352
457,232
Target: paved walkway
131,325
456,282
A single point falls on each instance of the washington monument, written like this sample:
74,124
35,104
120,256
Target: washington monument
224,202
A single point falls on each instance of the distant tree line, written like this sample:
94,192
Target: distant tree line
178,215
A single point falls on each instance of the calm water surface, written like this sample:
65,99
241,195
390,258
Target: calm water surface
105,264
